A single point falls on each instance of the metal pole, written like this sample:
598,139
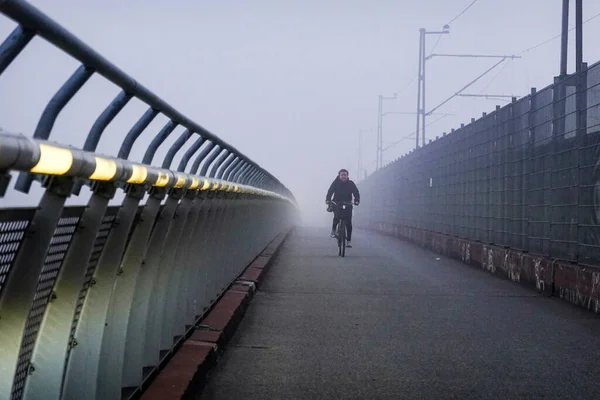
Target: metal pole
423,110
578,35
359,166
564,38
421,35
379,133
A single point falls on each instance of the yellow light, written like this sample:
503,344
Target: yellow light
206,184
105,170
53,160
195,183
139,174
162,180
180,181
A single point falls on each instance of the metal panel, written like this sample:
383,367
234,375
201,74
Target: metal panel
81,376
160,291
173,321
21,286
125,304
55,329
564,176
540,190
108,222
59,245
192,263
520,143
589,174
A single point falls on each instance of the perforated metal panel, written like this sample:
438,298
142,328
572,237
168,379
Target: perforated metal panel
56,253
13,225
107,223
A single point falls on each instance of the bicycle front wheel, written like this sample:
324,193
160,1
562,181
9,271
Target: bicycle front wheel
342,238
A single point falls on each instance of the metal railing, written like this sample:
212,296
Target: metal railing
94,299
32,22
525,176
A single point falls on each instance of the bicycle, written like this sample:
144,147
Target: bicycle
340,230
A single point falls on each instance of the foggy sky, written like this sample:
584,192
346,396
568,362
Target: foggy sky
288,83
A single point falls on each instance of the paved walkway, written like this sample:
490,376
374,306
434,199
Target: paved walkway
392,321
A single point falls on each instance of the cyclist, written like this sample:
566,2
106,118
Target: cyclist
342,189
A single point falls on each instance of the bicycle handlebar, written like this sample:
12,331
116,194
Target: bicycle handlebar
339,203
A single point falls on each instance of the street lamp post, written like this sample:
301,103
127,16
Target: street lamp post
421,89
380,128
360,153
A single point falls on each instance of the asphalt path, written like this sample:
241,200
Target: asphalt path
394,321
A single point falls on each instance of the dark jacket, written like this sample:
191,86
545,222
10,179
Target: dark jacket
342,191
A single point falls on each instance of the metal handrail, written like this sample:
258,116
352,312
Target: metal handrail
33,22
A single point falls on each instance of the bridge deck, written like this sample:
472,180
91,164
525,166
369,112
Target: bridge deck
392,321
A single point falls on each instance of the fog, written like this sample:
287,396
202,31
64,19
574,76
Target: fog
288,83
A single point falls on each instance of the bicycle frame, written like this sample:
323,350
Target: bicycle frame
345,206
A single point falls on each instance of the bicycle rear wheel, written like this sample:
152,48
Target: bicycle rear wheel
338,234
342,240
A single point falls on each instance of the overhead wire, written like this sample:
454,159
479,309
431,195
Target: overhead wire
536,47
462,12
495,76
435,45
554,37
408,84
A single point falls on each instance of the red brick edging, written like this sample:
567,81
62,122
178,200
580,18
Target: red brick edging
186,372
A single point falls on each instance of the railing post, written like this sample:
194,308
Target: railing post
51,112
181,140
189,153
13,45
164,133
205,151
215,153
113,109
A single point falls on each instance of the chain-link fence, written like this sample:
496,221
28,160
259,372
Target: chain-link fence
526,176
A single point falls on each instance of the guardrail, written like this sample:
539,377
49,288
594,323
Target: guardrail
94,299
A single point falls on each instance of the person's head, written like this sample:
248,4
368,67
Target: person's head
343,175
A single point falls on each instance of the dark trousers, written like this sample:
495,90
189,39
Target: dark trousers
336,219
